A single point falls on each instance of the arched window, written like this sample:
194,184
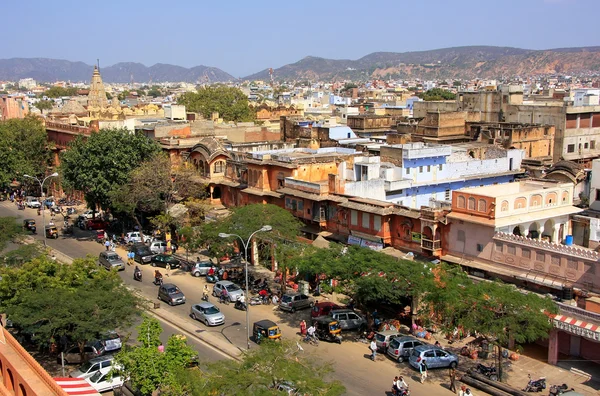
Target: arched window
471,203
504,206
482,206
460,201
219,167
520,203
536,200
565,196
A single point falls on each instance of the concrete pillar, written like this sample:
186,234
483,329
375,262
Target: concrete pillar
541,231
553,347
555,233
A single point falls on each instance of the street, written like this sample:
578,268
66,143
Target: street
350,360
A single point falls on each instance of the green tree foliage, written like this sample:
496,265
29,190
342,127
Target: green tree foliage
58,92
23,149
437,94
50,299
123,95
259,371
44,105
457,84
155,91
348,86
230,103
23,254
104,161
148,368
9,230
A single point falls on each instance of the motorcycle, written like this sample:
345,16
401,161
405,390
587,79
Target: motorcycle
205,296
537,385
556,390
213,278
488,371
137,275
240,305
256,301
158,280
401,392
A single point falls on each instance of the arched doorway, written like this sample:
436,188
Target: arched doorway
216,194
517,231
534,230
549,230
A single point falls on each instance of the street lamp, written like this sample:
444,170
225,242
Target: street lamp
42,203
265,228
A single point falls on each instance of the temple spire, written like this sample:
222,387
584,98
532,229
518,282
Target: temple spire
97,96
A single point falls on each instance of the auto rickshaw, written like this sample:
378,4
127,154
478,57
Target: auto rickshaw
51,231
328,329
29,224
265,329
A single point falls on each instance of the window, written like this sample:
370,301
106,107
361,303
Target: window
482,206
408,171
440,166
498,247
447,195
479,247
504,206
420,169
511,249
300,204
571,148
460,201
354,217
526,253
366,220
539,256
471,203
586,145
428,168
377,223
592,144
219,167
461,236
597,195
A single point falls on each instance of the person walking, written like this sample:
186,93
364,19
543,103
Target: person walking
303,327
107,245
423,370
452,380
168,268
373,349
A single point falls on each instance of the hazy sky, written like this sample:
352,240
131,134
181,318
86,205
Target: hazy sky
246,36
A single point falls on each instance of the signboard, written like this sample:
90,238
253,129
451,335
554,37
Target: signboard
416,237
352,240
371,245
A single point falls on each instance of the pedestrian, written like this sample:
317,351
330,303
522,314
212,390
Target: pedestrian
168,268
303,327
437,344
423,370
107,244
452,380
373,348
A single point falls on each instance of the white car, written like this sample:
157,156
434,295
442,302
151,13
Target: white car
88,214
33,203
100,380
136,237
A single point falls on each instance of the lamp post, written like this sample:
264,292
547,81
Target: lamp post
42,203
265,228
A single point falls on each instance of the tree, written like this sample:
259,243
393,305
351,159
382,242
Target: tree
149,369
51,299
44,105
23,149
9,230
259,370
123,95
457,84
21,255
102,162
154,91
58,92
437,94
230,103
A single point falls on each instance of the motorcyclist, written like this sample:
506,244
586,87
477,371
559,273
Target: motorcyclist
157,277
137,273
211,271
241,301
223,297
205,293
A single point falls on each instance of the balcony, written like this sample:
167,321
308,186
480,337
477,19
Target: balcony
431,245
578,313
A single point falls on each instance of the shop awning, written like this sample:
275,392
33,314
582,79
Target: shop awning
76,386
576,326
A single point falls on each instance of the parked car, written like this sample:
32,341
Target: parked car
349,320
137,237
90,367
161,260
171,294
383,338
96,224
323,309
294,301
102,381
207,313
141,253
111,341
158,247
32,202
434,357
90,351
201,268
88,214
110,260
401,347
233,290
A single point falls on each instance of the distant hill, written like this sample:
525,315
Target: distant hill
49,70
446,63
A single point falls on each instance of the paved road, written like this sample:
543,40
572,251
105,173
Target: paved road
350,360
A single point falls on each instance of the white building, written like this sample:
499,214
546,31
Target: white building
27,83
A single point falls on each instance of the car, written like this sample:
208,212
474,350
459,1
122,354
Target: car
90,367
88,214
435,357
33,203
233,290
137,237
96,224
111,341
401,347
294,301
171,294
323,308
141,253
349,320
201,268
383,338
110,260
102,381
207,313
90,351
161,260
158,247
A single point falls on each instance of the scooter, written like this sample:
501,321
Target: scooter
137,274
158,280
212,278
240,305
488,371
537,385
556,390
205,296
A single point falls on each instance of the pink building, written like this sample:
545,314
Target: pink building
13,107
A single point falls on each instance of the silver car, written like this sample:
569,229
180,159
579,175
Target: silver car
201,268
207,313
110,260
233,291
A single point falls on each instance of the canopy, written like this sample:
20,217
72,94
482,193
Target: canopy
76,386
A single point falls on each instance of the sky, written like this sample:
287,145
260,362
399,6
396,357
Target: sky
243,37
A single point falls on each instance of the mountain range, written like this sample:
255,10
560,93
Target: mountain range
446,63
